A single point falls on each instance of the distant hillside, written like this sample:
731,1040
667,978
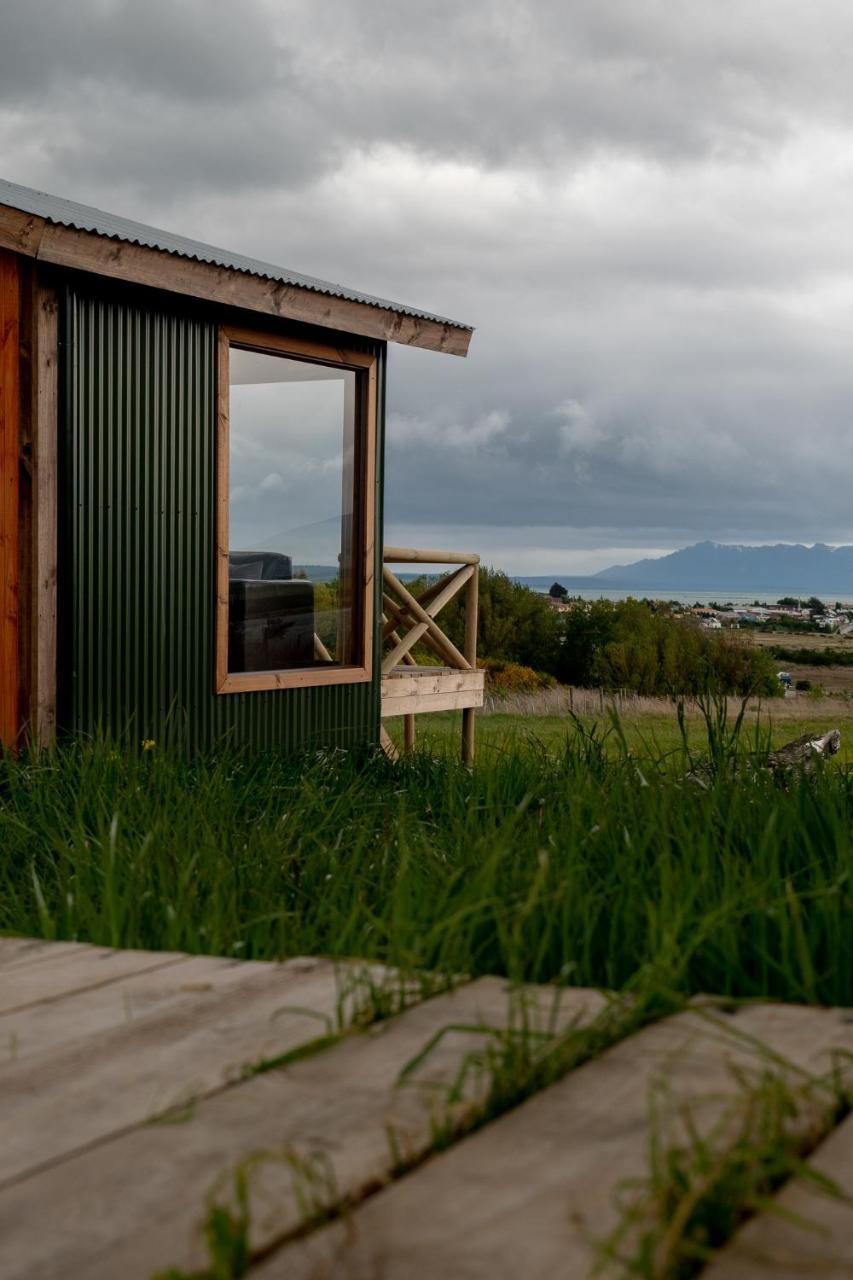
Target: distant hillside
710,566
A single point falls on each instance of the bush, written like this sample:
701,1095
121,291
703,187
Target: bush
512,677
630,645
826,657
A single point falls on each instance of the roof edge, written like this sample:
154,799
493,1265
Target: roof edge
47,240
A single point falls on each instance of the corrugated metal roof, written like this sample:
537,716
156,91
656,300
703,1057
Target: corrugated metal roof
68,213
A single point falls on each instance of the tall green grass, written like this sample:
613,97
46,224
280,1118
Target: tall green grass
583,865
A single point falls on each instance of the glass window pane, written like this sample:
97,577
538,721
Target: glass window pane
292,559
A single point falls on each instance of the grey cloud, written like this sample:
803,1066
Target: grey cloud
202,50
508,83
643,205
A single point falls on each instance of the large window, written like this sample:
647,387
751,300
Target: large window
295,513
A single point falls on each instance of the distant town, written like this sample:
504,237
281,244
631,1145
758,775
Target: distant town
797,614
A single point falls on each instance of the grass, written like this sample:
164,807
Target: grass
577,859
704,1180
649,725
575,853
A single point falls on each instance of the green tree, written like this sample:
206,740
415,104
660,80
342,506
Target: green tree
515,624
586,630
632,646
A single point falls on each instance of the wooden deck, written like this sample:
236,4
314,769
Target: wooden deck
136,1084
412,690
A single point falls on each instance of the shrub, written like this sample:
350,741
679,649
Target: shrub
513,677
632,646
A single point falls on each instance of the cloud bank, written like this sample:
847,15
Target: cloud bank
645,207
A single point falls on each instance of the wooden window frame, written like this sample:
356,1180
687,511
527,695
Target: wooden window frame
364,504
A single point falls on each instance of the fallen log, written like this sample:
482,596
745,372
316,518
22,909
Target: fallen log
798,757
804,753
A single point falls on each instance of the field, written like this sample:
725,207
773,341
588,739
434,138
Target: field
649,725
575,853
800,640
833,679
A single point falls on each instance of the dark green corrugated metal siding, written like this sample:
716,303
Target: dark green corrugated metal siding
136,599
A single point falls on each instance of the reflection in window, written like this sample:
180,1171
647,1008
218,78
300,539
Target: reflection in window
292,558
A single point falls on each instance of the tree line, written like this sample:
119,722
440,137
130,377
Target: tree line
633,644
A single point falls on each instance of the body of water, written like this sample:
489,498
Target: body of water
764,595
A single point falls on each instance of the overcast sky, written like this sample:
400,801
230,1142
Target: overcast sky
644,206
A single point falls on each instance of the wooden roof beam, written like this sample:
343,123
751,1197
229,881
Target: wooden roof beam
36,237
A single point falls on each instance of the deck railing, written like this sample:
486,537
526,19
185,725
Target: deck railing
409,619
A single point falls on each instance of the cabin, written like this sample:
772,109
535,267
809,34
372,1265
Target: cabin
191,498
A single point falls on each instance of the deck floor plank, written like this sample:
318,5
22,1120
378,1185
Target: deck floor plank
525,1195
775,1247
13,950
49,1024
39,977
69,1098
93,1215
98,1043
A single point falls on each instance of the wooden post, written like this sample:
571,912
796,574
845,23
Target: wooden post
408,733
44,397
469,714
10,434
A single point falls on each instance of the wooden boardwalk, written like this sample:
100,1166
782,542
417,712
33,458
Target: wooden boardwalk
136,1085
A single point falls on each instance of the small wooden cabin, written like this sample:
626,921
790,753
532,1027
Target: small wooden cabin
191,481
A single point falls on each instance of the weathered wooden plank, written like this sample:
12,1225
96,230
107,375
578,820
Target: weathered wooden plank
49,975
431,690
418,702
134,1205
529,1194
772,1245
20,232
85,251
23,948
69,1098
47,1025
411,681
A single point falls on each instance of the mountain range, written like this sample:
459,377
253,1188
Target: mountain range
783,568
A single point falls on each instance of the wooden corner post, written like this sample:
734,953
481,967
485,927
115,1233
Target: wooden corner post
10,551
44,399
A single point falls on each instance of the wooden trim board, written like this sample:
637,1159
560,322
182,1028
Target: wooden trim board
10,443
364,502
34,237
44,398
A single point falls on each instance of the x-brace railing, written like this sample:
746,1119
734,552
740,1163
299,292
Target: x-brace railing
410,619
